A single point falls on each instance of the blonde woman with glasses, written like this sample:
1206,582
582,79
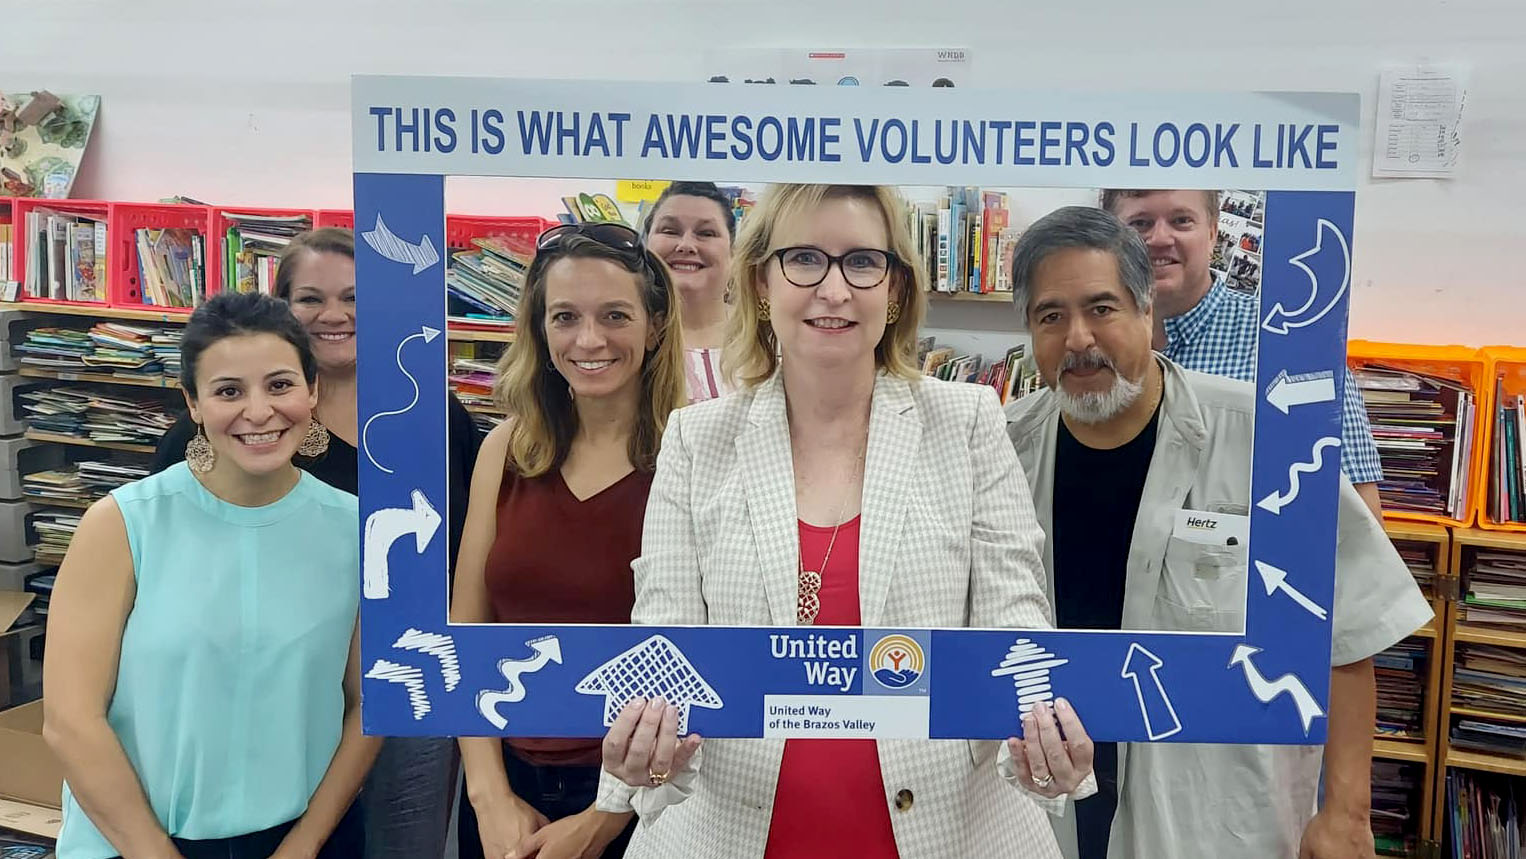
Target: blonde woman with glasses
838,487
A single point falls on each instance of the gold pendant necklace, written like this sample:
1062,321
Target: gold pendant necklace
808,599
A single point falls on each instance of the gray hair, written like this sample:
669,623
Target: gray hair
1087,228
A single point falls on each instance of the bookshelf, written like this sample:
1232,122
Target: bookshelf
51,438
1458,631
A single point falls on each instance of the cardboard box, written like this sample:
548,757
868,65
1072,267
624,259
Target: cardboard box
32,780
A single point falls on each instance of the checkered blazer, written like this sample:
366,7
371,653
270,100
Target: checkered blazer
948,539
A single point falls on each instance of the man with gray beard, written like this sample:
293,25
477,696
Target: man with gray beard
1122,447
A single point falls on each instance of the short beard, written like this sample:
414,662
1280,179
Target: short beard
1093,407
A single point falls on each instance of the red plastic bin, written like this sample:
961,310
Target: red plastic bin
127,290
20,208
343,218
221,222
461,229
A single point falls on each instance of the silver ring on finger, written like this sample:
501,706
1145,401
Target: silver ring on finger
1043,782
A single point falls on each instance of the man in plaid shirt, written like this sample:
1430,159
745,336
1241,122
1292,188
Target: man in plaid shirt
1204,325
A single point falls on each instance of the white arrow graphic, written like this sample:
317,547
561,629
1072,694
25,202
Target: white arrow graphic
1287,684
1164,723
429,334
383,241
383,528
441,647
1288,391
1278,320
411,679
1278,500
548,649
1276,580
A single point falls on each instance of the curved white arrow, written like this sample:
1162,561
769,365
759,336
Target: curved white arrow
410,677
1288,391
383,528
1278,320
385,242
429,334
548,649
1287,684
1276,580
1278,500
441,647
1151,663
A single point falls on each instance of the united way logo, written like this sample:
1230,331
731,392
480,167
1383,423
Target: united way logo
896,661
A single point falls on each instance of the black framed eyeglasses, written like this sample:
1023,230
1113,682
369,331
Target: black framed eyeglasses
862,268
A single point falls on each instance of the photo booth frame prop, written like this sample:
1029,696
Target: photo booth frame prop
426,676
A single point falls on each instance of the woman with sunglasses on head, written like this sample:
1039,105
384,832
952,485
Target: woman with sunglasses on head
203,662
556,508
839,487
407,798
691,228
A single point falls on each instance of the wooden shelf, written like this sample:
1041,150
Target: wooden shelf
1002,297
1486,714
1427,631
133,315
1487,763
1391,749
34,435
99,378
122,313
55,502
1489,539
1497,637
473,335
1425,532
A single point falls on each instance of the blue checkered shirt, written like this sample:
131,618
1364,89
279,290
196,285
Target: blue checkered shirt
1218,336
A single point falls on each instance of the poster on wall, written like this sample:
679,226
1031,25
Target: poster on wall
1260,676
894,67
42,142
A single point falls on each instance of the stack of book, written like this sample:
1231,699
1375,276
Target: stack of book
1489,689
1418,557
472,381
1423,426
965,240
172,267
57,349
1401,683
1496,589
55,528
97,415
483,282
108,348
252,247
65,256
40,584
1395,793
1507,457
1013,376
1484,816
5,251
80,485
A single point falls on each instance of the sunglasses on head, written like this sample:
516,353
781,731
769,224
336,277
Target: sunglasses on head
617,237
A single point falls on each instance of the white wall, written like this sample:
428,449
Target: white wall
198,99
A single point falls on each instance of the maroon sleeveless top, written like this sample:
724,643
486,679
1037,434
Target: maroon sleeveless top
556,559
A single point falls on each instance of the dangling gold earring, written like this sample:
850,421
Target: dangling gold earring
893,313
199,454
763,310
316,441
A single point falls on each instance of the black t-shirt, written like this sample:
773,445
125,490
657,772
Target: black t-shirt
339,469
1096,499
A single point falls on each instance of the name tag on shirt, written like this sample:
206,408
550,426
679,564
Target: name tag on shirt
1211,529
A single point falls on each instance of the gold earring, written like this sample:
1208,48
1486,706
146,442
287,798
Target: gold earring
199,454
893,313
316,441
763,310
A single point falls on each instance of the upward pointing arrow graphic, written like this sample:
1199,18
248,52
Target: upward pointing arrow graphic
429,335
1275,580
1265,691
383,528
1154,705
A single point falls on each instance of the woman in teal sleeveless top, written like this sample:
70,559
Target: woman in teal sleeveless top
202,683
